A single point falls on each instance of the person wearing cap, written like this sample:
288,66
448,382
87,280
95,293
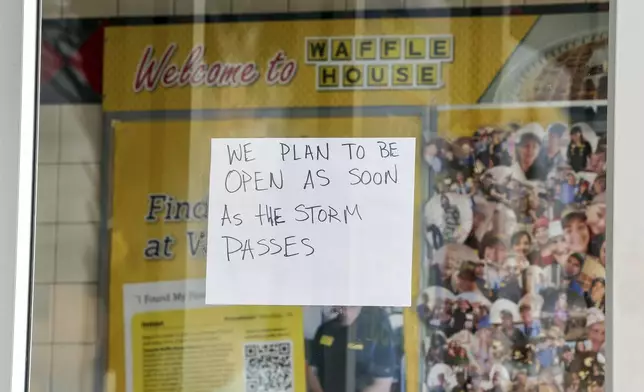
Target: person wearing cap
527,164
360,339
552,154
507,334
579,150
550,347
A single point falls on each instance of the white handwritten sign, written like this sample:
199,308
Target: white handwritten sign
311,221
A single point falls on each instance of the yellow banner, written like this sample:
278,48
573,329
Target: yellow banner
160,333
361,62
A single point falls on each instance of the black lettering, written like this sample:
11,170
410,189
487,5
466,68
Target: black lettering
276,216
318,49
169,202
320,173
440,47
348,212
341,50
377,178
427,75
230,251
228,188
403,75
365,46
329,73
378,77
350,146
235,154
287,244
155,204
305,241
182,211
274,243
312,212
273,183
389,177
258,179
393,150
309,181
284,152
333,215
321,153
353,173
360,152
412,49
298,208
249,249
387,150
322,215
390,46
246,178
200,210
152,250
362,178
196,242
247,152
262,242
353,75
225,217
238,219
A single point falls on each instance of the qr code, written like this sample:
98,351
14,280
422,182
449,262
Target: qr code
269,367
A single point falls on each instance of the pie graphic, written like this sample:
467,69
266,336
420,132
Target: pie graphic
572,70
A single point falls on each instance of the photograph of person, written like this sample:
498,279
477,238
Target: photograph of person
356,349
518,303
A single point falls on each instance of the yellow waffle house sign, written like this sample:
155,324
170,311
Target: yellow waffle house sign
379,62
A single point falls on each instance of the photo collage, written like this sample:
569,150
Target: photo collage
512,290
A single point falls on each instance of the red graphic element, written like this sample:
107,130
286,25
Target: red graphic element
51,62
194,71
88,60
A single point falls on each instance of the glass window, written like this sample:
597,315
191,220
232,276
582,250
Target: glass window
291,196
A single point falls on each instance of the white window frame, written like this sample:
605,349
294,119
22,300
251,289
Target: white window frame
625,313
19,45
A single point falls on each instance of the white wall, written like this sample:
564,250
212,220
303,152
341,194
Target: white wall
65,304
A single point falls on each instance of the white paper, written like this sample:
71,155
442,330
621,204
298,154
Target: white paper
362,256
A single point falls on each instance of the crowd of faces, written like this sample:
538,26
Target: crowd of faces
514,272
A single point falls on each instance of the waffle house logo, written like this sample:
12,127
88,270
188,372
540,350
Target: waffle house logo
379,63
